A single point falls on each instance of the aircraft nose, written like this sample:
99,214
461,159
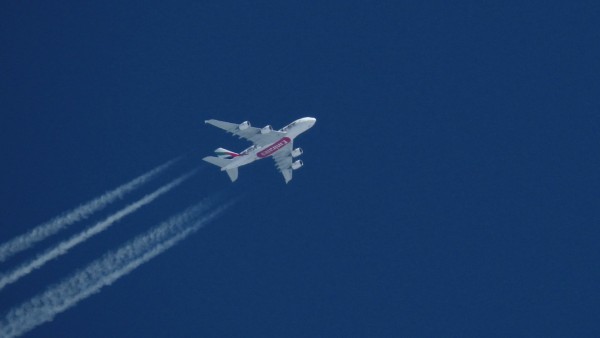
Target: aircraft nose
311,120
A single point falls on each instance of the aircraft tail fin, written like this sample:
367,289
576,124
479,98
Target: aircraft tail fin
221,162
224,153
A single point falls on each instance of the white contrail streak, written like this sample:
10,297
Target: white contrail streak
83,211
63,247
104,271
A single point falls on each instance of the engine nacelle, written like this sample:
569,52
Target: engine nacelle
244,125
297,152
297,165
266,129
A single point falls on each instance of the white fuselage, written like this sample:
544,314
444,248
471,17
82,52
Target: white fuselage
256,152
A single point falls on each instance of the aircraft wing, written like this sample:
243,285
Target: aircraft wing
283,161
251,134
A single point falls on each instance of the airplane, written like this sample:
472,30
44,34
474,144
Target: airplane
278,144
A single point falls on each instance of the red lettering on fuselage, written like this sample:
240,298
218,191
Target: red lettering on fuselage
273,147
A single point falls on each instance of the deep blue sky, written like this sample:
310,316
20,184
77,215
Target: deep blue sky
450,185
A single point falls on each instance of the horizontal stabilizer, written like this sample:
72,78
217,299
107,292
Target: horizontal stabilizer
221,162
233,174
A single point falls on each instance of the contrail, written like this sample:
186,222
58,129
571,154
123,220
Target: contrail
63,247
83,211
104,271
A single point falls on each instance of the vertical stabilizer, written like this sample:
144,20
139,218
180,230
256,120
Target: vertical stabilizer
224,153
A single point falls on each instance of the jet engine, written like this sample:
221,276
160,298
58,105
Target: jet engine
297,152
267,129
244,125
297,165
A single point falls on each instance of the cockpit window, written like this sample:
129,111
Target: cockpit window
288,127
